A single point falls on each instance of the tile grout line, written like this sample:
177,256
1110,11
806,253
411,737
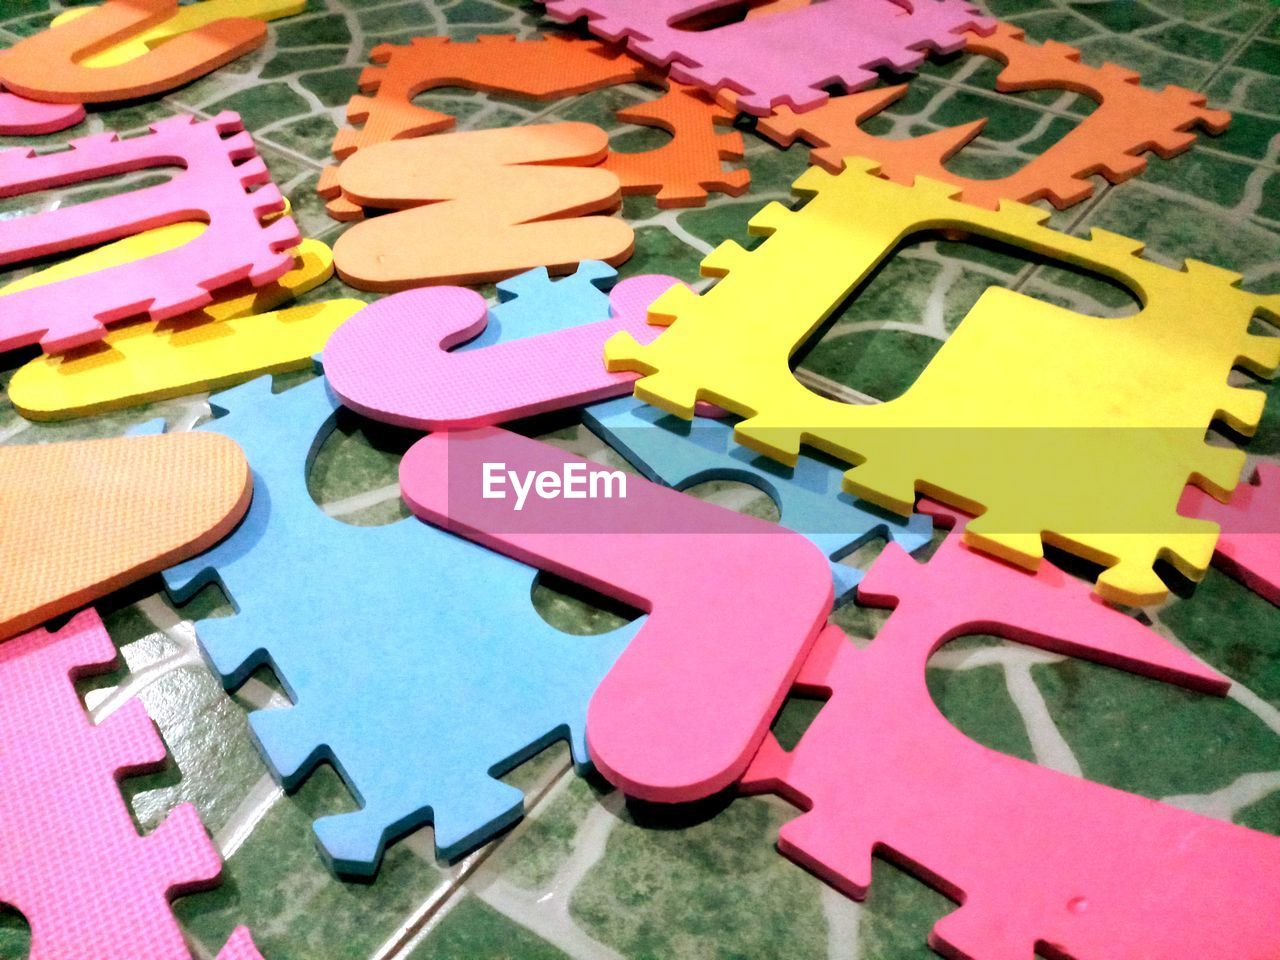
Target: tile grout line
443,898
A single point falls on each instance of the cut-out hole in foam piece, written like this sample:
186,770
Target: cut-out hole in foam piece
221,169
1129,120
704,575
439,615
507,200
1023,416
82,518
71,859
788,57
393,361
1041,862
51,65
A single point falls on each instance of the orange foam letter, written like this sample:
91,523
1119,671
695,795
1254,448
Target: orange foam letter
479,206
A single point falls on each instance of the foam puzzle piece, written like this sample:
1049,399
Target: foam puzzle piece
542,68
698,570
71,859
193,16
50,65
1042,862
1249,544
508,199
670,451
787,58
441,617
86,517
393,362
20,117
228,342
221,165
1025,416
1128,121
681,171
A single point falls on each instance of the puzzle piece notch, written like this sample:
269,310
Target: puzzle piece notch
843,42
221,169
1103,484
231,340
669,451
393,362
85,517
49,66
1040,861
71,859
21,117
1128,121
1249,544
504,684
510,199
681,171
697,569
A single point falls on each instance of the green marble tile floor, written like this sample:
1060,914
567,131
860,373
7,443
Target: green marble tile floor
584,876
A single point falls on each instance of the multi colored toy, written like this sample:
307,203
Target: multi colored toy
507,199
700,571
393,361
785,58
220,167
1048,423
455,678
228,342
1128,121
50,65
86,517
183,19
669,450
1249,544
71,859
680,172
1039,861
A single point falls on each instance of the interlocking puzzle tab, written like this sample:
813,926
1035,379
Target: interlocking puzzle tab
50,65
507,200
1041,862
20,117
455,678
680,172
785,58
71,859
700,571
221,167
85,517
669,450
235,338
1129,120
1249,544
393,361
1026,416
